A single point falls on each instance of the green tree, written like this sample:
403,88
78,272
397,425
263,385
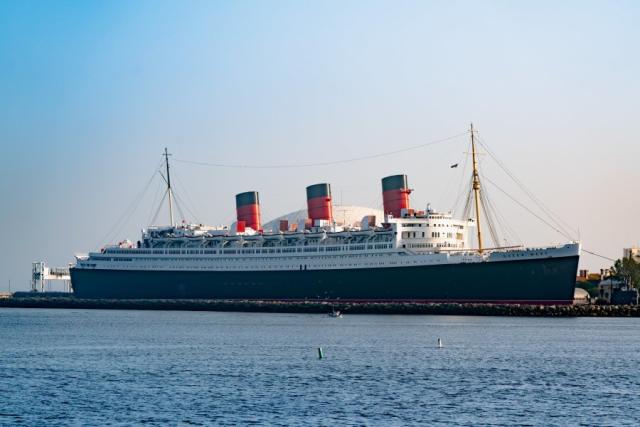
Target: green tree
628,271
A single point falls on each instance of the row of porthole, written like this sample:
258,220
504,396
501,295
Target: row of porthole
240,259
525,254
280,266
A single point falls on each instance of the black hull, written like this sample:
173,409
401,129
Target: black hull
537,281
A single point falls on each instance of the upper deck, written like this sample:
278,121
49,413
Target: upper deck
415,231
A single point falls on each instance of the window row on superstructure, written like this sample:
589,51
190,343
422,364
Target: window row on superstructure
265,241
250,251
426,224
432,245
384,259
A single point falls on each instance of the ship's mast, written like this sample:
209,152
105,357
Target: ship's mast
166,160
476,187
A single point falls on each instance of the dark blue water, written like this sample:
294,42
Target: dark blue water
61,367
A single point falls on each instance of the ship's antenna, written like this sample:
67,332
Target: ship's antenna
166,160
476,187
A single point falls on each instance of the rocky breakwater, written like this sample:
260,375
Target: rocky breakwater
325,307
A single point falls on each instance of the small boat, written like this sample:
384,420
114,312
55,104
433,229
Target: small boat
336,314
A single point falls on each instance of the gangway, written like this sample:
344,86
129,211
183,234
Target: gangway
41,276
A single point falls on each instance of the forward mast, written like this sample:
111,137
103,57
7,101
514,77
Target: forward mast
476,187
169,191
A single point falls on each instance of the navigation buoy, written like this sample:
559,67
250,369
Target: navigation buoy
440,343
320,354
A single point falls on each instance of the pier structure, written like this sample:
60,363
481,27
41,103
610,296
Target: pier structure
41,275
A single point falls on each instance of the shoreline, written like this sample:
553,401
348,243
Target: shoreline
324,307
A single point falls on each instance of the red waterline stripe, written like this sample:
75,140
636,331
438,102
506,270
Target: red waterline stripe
418,301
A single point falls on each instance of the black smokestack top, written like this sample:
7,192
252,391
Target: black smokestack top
247,198
395,182
318,190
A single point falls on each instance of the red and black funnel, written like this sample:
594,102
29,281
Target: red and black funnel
395,194
319,202
248,209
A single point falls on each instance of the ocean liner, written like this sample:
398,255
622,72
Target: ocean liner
410,255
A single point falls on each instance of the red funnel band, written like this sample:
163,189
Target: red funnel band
320,208
395,200
240,226
250,214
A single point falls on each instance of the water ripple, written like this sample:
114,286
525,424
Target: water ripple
64,367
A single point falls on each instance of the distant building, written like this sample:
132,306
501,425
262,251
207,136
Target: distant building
633,252
607,286
585,276
344,215
595,277
582,276
615,291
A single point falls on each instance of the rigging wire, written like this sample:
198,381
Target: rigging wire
491,213
466,210
186,206
178,203
126,215
159,208
377,203
328,163
489,218
496,218
598,255
559,223
462,189
508,230
155,200
529,210
452,177
183,190
552,216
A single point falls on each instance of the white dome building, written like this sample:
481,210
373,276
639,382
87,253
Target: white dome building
343,215
581,296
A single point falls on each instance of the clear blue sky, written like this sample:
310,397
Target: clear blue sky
91,92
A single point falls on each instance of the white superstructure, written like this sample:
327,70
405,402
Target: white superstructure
423,238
